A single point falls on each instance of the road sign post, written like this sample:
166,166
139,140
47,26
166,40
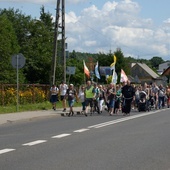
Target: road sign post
18,61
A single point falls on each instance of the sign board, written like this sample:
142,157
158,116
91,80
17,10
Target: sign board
18,60
105,70
70,70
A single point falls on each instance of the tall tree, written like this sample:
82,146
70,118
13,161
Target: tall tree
39,49
20,24
155,61
8,47
39,53
35,38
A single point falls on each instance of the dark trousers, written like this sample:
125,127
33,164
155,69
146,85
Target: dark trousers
161,101
83,106
126,106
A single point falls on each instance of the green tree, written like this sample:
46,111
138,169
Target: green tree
39,54
78,78
35,38
8,47
73,54
20,23
155,61
108,59
121,63
39,49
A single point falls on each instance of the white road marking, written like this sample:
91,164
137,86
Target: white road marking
81,130
122,120
6,150
61,136
34,143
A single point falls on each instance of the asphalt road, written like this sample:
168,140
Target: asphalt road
100,142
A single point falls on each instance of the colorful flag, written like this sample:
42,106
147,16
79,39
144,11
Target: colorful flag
123,76
105,70
114,78
86,70
112,66
97,70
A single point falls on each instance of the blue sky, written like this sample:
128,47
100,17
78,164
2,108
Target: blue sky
141,28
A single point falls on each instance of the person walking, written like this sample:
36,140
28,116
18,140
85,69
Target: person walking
168,96
89,95
62,90
95,98
81,96
154,93
54,95
111,96
138,89
117,106
102,98
71,96
161,96
128,93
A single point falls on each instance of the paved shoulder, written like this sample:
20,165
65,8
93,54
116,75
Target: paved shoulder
11,117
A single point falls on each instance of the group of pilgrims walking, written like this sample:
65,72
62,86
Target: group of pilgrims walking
114,98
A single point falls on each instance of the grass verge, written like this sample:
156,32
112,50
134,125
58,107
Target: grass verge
31,107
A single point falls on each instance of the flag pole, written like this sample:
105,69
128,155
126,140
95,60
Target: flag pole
113,74
113,67
84,79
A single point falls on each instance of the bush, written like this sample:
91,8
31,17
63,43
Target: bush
27,94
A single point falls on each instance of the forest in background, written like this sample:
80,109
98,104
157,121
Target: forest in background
34,38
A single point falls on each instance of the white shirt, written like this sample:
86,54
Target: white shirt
81,96
54,90
63,89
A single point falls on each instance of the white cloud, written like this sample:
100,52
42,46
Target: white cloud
33,1
75,1
71,17
48,1
167,21
109,6
90,43
117,24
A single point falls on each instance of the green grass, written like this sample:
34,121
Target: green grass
31,107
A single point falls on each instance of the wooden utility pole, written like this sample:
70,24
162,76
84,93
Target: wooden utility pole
63,40
54,58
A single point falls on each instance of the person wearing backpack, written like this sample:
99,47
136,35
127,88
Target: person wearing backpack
71,96
54,95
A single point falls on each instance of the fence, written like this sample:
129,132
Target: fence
27,93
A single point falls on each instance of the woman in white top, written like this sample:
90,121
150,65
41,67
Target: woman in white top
102,98
81,96
63,89
54,96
